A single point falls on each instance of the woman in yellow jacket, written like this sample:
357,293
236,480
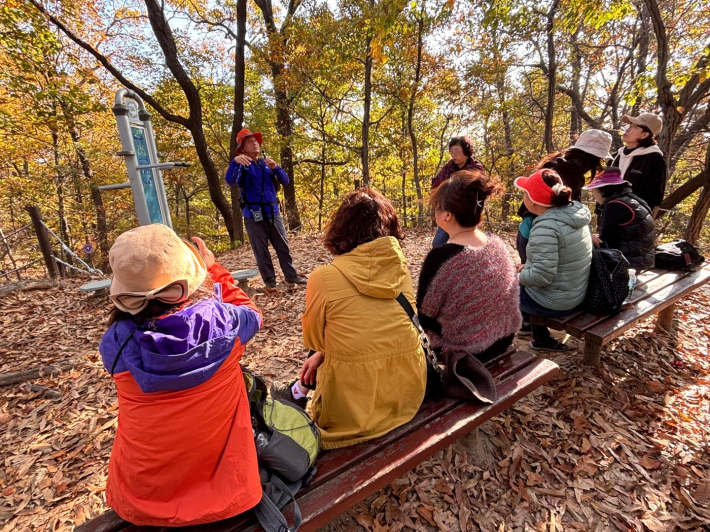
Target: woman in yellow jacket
368,360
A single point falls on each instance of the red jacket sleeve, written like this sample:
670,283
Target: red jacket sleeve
231,293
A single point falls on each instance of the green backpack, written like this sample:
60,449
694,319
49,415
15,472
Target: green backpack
287,444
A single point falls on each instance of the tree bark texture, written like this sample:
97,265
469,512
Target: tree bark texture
701,207
238,120
410,122
278,38
551,77
365,150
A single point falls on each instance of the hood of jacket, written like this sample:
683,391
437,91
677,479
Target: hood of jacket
574,214
377,269
181,350
640,151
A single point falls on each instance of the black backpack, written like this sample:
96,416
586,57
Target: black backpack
678,255
608,282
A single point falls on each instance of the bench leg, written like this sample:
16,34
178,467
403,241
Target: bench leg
664,321
592,352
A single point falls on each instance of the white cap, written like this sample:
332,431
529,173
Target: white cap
594,141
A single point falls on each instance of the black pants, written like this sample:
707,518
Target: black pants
260,234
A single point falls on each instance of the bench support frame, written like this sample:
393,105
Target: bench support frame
664,322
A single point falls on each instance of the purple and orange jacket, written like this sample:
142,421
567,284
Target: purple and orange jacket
184,448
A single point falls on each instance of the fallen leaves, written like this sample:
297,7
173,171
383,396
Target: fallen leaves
623,448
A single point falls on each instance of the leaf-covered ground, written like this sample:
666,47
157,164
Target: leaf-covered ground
621,448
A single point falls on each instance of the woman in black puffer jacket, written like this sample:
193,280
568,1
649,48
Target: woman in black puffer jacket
625,222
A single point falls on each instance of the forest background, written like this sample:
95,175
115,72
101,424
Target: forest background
355,91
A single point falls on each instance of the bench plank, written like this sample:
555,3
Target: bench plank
560,323
578,327
660,299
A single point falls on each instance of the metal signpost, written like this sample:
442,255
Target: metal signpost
141,156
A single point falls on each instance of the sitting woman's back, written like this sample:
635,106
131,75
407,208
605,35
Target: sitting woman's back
184,449
625,221
373,374
468,291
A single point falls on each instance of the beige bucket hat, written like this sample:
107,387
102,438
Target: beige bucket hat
152,262
653,122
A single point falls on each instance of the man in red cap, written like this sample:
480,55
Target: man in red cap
258,180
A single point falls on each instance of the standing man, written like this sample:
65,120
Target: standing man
258,180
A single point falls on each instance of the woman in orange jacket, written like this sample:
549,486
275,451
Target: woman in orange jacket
184,450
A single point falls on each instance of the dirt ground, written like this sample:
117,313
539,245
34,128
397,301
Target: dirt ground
623,448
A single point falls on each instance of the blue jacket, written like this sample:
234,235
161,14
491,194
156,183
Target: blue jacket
250,179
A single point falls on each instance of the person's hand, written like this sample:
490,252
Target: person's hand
270,162
596,240
519,268
207,255
243,159
310,368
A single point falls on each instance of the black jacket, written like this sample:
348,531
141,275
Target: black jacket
626,224
572,175
647,175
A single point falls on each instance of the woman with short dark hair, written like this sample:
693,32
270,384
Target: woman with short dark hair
461,151
468,289
368,367
641,161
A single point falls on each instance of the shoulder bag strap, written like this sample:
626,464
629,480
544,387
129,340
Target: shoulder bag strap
270,516
426,343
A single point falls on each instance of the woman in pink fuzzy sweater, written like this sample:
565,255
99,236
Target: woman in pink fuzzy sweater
468,295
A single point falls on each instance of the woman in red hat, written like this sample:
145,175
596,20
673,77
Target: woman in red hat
258,180
554,278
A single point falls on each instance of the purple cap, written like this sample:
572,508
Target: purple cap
610,176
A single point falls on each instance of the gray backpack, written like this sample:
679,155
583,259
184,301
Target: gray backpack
287,444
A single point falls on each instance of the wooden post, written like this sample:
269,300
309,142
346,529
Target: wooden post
62,269
9,254
592,352
43,237
664,321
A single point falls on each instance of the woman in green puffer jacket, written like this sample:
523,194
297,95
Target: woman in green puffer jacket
559,254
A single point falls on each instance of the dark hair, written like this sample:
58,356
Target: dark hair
156,308
609,190
464,195
464,142
564,196
590,163
646,141
364,216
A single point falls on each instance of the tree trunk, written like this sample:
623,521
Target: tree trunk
551,77
644,38
575,122
101,228
410,119
238,121
700,209
321,194
164,35
365,150
187,211
284,125
61,214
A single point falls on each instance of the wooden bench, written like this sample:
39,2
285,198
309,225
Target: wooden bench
347,476
656,292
